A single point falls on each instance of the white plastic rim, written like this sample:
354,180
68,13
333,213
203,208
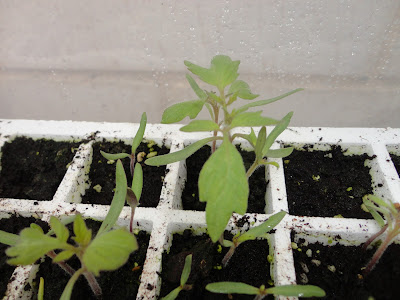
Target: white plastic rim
168,218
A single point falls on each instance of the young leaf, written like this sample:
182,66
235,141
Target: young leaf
249,119
297,291
8,238
109,251
199,92
137,181
179,155
200,125
278,129
262,135
242,90
223,71
59,228
173,294
139,134
179,111
226,287
371,208
223,185
66,295
83,235
63,255
264,102
118,200
265,227
186,269
279,153
114,156
32,245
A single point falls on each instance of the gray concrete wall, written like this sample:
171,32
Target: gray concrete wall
103,60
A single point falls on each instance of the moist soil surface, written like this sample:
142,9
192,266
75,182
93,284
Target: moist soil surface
327,183
120,284
190,194
249,264
103,174
33,169
396,162
14,224
344,280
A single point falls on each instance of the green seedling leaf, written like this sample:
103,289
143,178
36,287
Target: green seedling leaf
372,210
226,287
131,198
109,251
242,90
137,181
252,137
8,238
223,185
199,92
179,155
279,153
173,294
115,156
63,255
265,227
262,135
380,202
41,289
214,97
200,125
139,134
264,102
36,227
179,111
83,235
223,71
297,291
249,119
278,129
186,269
66,295
59,228
227,243
118,200
32,245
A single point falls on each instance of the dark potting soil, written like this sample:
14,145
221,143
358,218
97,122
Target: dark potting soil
33,169
14,224
190,194
249,264
396,162
327,183
103,174
120,284
345,280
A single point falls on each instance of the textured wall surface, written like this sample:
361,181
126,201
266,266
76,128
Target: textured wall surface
112,60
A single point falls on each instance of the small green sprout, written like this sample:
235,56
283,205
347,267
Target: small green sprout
261,292
251,234
41,289
107,251
184,277
223,180
390,222
135,143
133,194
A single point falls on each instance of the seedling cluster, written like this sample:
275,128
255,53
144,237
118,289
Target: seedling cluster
223,185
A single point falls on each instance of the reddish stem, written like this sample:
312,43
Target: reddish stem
372,238
63,265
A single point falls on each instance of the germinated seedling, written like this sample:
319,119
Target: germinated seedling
134,193
223,180
251,234
261,292
107,251
184,277
390,223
